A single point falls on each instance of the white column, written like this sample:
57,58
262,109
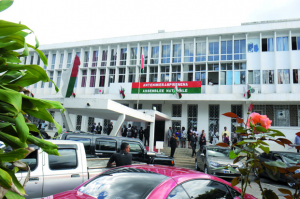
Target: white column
128,55
118,125
194,58
90,57
291,65
260,62
159,52
171,53
118,55
108,55
67,120
99,56
64,65
151,134
182,50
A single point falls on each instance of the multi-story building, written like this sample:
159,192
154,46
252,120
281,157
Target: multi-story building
262,55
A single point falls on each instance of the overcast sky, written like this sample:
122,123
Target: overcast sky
59,21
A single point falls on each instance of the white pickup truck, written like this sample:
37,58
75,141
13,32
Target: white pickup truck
54,174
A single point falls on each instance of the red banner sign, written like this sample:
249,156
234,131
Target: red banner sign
187,84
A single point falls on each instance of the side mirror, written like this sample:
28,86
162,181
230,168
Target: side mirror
202,154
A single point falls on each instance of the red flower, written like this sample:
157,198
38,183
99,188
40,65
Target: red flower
263,120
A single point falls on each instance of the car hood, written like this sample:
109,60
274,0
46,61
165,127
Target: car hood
223,160
72,194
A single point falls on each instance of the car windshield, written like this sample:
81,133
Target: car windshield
218,152
122,185
292,158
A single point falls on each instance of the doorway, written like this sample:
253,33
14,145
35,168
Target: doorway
159,131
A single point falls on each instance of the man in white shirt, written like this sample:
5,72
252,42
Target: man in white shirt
215,136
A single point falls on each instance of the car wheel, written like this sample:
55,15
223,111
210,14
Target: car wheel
206,169
196,165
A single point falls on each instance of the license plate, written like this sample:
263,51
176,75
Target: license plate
226,171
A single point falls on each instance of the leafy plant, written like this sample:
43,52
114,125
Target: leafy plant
16,102
256,132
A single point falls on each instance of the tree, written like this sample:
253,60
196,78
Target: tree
16,102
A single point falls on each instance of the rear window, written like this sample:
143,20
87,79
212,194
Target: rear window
66,160
123,185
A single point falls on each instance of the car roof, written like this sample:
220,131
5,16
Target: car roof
101,136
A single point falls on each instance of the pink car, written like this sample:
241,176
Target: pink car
153,182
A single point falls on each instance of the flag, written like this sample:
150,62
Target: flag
73,76
142,63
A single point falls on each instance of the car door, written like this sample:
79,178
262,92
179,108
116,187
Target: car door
136,150
105,147
202,159
64,172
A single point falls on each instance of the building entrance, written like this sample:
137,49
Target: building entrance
159,131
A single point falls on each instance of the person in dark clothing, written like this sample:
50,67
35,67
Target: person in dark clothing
141,134
193,144
122,158
202,140
124,131
146,134
110,127
98,128
173,145
93,129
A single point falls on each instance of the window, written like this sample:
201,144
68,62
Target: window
176,73
135,147
111,76
213,73
104,58
153,74
106,145
66,160
123,56
200,73
78,54
113,57
213,51
53,61
214,116
35,85
283,76
78,122
254,76
51,78
44,64
239,49
31,60
253,45
58,79
38,60
157,106
93,78
133,56
69,61
226,74
31,160
176,124
121,75
165,54
95,58
91,121
42,84
178,193
282,44
154,55
140,106
176,110
83,78
85,141
131,74
296,73
226,50
51,125
144,50
165,73
207,189
188,72
25,59
102,77
267,44
239,73
268,76
238,110
61,61
192,116
143,76
86,58
188,52
201,51
295,43
176,53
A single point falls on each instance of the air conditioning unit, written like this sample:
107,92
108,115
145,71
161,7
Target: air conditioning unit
254,90
99,91
281,114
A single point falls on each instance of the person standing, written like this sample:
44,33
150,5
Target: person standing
297,142
183,138
122,158
226,140
98,128
146,134
110,128
215,136
169,135
124,131
227,133
197,136
193,144
234,141
141,134
189,138
202,140
178,137
129,130
173,145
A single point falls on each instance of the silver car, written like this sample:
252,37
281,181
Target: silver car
209,158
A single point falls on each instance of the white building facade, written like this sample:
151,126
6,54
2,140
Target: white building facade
262,55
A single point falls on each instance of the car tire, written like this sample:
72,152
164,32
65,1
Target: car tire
206,170
196,165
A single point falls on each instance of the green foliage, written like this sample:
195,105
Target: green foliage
15,104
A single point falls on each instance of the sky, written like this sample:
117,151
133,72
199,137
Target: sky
59,21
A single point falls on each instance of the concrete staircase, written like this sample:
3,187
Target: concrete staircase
182,157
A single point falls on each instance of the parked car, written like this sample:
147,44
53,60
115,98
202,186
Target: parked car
153,182
289,158
104,146
209,158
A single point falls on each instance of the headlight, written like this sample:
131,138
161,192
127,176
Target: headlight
297,171
214,164
241,165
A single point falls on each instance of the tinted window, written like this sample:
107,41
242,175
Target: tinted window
135,147
85,141
66,160
106,145
123,185
178,193
206,189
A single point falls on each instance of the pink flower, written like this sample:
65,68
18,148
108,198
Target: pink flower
265,121
256,118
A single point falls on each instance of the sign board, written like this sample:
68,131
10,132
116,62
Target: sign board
187,87
159,145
